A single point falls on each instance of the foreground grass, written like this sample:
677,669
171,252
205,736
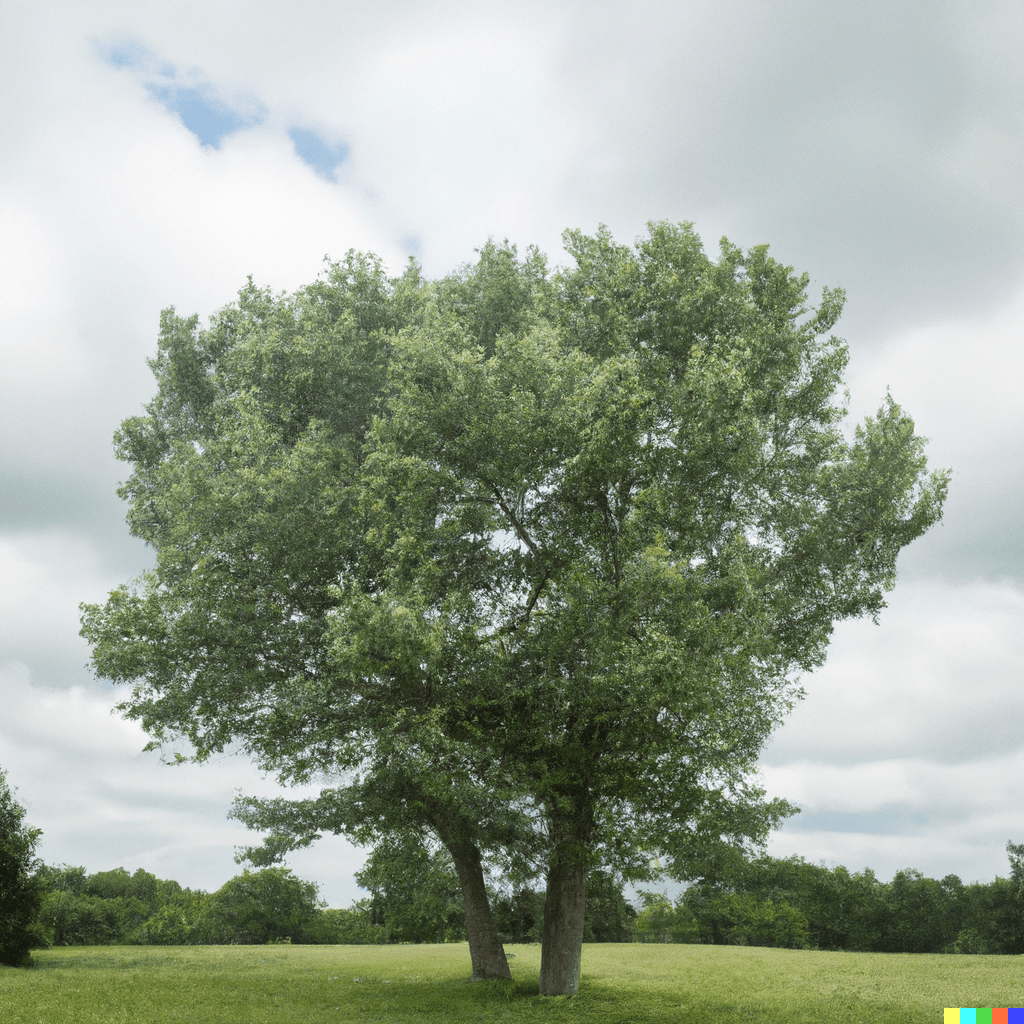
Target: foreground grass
422,984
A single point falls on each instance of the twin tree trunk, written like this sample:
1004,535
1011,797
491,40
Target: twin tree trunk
564,911
485,948
564,907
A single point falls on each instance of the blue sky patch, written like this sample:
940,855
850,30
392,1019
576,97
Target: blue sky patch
131,55
318,154
204,113
205,117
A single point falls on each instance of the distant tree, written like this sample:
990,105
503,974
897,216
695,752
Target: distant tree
844,910
742,919
414,892
920,918
179,921
661,921
61,903
991,915
115,907
519,913
261,906
609,917
20,888
349,926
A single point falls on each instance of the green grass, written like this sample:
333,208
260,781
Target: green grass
423,984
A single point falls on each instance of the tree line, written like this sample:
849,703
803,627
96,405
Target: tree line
415,897
767,901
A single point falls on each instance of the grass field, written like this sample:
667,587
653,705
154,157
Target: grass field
423,984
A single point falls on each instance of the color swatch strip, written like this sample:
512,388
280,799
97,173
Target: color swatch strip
983,1015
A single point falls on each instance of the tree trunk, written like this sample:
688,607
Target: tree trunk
485,949
564,906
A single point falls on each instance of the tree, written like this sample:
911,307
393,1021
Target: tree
920,918
660,921
608,918
20,888
414,893
540,556
843,910
742,919
257,907
115,907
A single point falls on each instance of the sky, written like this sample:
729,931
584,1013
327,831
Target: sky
155,155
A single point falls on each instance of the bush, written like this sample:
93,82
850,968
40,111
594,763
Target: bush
345,927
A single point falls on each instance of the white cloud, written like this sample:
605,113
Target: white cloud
906,751
944,662
980,785
45,576
879,157
961,379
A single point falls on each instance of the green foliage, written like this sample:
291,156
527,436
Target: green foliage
257,907
992,918
920,918
20,889
741,919
414,893
117,907
519,914
832,908
609,917
352,926
519,911
843,910
661,921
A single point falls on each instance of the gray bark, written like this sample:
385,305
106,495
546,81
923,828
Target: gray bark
564,907
485,948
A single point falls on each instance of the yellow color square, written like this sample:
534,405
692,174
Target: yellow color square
951,1016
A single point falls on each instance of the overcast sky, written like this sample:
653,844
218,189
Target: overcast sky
157,154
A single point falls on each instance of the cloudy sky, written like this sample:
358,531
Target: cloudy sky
155,155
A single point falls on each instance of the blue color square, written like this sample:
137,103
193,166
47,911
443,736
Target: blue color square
1015,1015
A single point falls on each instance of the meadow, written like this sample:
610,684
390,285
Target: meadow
621,983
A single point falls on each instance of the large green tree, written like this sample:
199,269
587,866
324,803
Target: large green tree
532,560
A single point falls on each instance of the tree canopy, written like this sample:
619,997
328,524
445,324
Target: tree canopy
527,560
